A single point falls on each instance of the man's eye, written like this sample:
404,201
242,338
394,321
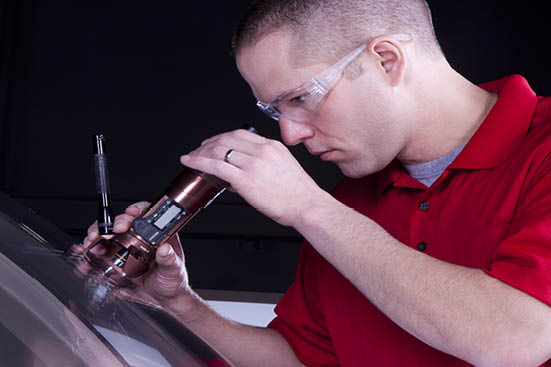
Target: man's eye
300,99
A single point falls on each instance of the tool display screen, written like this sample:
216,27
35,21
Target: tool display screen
157,225
166,217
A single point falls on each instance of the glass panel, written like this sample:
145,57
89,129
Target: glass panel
52,315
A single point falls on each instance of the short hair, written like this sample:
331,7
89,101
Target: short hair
328,29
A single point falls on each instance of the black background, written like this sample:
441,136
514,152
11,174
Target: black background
158,78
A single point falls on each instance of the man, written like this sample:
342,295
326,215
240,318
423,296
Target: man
436,250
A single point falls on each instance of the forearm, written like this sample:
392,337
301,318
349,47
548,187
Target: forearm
243,345
458,310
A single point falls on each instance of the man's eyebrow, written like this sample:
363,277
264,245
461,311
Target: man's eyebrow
272,99
286,92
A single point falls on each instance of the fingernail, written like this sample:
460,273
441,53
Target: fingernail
185,158
162,251
118,226
133,206
165,251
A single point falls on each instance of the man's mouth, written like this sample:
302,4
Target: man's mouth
325,156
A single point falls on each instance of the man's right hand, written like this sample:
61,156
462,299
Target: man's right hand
166,281
166,284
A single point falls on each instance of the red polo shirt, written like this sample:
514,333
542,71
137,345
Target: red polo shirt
490,209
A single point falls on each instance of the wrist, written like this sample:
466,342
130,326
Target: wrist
183,305
315,211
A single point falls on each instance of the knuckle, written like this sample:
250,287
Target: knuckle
258,165
124,220
213,150
225,139
219,166
206,141
275,144
219,151
266,150
122,217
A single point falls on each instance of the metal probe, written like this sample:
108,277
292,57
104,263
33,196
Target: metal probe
105,211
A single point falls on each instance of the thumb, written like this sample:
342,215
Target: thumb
169,265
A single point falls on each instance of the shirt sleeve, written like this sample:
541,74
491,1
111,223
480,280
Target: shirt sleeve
523,259
299,318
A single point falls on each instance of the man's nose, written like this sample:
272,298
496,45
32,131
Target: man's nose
293,132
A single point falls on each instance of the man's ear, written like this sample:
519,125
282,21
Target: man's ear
391,58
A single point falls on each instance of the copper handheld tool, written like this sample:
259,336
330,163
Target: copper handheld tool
130,253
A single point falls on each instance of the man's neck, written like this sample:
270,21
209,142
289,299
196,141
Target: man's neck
449,110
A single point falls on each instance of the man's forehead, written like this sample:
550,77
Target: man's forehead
265,65
268,66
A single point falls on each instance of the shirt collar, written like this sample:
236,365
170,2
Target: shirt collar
505,126
497,137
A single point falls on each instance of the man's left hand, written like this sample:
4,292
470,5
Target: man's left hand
261,170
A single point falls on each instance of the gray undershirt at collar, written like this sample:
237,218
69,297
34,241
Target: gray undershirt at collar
428,172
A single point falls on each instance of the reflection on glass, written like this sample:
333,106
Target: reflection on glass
58,310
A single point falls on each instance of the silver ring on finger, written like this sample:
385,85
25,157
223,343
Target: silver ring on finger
228,155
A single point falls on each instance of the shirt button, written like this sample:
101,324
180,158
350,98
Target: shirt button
424,206
421,246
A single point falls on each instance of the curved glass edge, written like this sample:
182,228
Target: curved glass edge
83,313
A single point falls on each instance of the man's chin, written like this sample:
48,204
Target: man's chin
351,172
356,171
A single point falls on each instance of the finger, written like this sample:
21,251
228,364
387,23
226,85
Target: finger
240,134
237,158
97,248
218,149
83,268
87,241
137,208
241,145
92,236
220,152
123,222
169,266
93,228
215,167
176,245
92,233
76,249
